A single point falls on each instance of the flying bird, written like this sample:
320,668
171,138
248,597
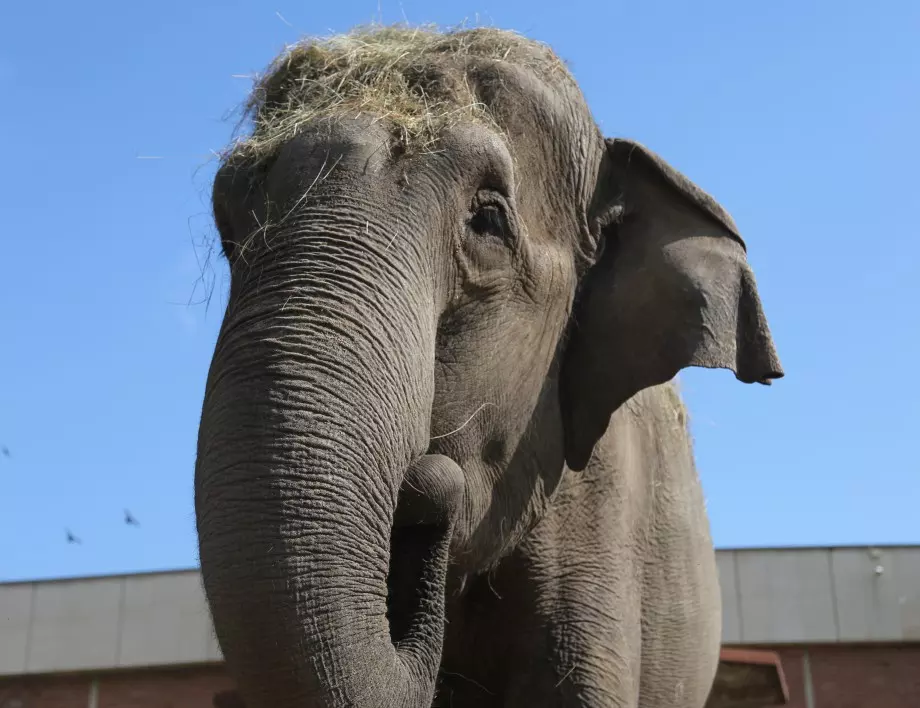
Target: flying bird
71,538
5,450
130,520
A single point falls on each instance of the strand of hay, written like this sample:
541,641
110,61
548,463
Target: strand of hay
414,79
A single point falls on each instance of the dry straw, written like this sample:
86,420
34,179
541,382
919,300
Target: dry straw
416,80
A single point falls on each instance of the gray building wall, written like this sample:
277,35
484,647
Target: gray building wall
770,596
817,595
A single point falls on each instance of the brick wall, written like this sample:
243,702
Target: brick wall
841,677
42,692
175,688
854,677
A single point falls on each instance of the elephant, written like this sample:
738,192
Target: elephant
442,458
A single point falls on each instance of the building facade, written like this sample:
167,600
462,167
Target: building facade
804,627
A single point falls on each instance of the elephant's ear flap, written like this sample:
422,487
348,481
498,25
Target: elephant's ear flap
672,289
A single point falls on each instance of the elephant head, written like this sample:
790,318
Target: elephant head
444,280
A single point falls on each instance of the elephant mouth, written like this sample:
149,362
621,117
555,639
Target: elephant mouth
429,497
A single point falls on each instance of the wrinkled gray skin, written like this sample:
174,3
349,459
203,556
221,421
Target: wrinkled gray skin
486,327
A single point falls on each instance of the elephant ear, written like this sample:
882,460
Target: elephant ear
671,289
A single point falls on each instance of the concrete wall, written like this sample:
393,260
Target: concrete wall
156,619
787,596
796,596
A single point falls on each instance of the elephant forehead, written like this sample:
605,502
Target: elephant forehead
415,79
555,144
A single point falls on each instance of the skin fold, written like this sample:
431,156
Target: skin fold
440,459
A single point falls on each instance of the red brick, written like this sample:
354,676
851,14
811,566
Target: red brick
44,692
855,676
174,688
181,688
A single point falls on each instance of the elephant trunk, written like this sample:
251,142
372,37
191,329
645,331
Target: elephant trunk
317,404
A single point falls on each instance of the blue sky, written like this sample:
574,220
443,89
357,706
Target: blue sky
801,117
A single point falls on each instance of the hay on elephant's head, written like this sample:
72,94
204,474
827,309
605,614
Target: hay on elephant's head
413,79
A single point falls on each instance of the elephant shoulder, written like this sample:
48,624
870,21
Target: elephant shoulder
660,408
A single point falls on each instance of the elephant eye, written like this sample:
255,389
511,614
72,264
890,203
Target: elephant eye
490,219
